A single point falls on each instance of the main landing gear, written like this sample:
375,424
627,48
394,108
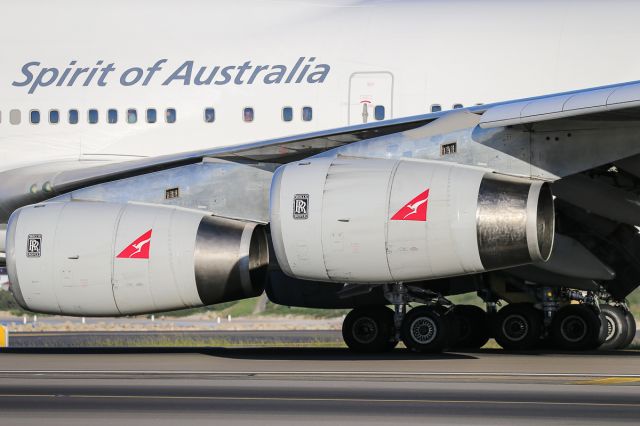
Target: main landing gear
553,319
430,328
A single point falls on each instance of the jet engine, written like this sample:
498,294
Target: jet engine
98,259
356,220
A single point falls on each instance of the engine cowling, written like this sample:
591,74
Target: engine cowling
98,259
360,220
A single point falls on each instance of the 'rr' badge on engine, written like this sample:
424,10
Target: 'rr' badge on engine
301,206
34,245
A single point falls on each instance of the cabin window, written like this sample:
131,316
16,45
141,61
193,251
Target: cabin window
112,116
378,112
73,116
287,114
307,113
209,115
34,116
170,115
458,106
247,115
54,116
15,116
151,115
93,116
132,116
436,108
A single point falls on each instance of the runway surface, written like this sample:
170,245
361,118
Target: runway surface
261,338
318,386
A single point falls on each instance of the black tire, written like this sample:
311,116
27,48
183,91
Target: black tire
424,330
614,323
473,327
518,326
631,329
575,327
602,332
369,329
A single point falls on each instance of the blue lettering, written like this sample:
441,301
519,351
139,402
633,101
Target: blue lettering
124,77
28,74
41,81
304,70
226,76
187,68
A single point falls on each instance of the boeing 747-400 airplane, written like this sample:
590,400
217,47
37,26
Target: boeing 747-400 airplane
380,156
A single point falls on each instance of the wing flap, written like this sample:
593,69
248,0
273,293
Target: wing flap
611,98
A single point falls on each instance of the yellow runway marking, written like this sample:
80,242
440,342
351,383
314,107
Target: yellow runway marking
608,381
364,400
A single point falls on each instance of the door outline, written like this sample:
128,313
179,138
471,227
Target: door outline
393,80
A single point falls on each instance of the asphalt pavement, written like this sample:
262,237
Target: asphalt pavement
265,386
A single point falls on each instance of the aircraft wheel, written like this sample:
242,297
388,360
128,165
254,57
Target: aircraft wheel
472,325
424,330
575,327
616,326
369,329
602,332
518,326
631,329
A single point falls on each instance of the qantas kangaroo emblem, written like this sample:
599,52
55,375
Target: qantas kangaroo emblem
415,209
139,249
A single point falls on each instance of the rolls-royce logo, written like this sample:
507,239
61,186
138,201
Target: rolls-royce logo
34,245
301,206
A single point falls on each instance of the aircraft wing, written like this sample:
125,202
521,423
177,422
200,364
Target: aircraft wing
38,182
621,101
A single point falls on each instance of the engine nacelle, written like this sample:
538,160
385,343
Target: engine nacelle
355,220
99,259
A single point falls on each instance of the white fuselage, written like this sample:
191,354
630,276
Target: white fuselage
404,56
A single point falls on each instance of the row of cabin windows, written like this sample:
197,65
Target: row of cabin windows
73,117
248,114
438,107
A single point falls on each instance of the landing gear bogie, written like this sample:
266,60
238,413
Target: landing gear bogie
631,329
425,330
615,326
473,327
369,329
576,327
518,326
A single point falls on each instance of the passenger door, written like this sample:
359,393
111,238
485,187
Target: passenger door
370,97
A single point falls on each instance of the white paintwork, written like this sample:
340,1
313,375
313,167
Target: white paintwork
78,272
299,255
366,91
167,279
349,225
442,52
355,206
